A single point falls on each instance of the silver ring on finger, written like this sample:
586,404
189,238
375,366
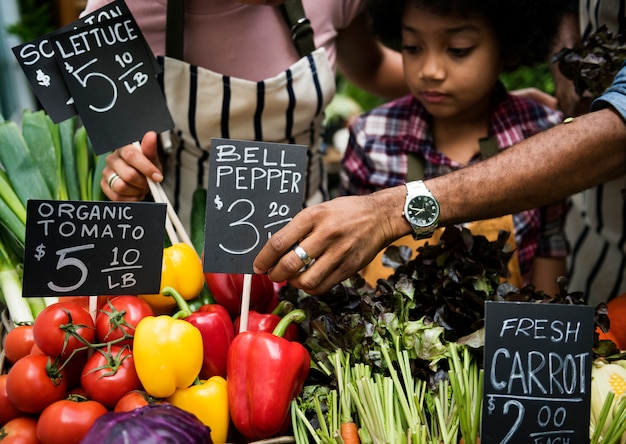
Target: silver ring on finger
112,178
304,257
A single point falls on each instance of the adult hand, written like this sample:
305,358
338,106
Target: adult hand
341,235
124,176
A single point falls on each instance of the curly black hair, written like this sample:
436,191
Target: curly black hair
526,29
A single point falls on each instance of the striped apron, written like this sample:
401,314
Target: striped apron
287,108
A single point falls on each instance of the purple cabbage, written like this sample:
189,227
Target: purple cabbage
154,424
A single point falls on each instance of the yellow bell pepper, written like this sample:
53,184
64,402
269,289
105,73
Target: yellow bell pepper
208,400
181,269
168,354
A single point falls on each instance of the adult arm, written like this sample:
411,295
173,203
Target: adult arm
346,233
367,63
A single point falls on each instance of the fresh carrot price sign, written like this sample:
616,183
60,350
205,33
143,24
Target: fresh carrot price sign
537,373
93,248
254,189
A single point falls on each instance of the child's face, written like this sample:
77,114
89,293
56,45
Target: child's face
451,64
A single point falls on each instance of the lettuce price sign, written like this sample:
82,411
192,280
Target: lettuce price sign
93,248
102,68
537,373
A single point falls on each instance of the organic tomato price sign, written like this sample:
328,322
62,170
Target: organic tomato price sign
93,248
254,189
537,373
101,68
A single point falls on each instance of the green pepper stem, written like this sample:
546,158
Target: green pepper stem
298,315
283,308
183,306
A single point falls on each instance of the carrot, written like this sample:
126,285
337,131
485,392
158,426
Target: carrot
350,433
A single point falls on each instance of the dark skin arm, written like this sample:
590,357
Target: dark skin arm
367,63
346,233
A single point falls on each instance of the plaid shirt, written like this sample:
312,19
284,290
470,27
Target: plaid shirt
376,158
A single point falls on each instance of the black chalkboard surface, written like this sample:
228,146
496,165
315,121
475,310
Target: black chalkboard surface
80,248
110,74
101,68
537,373
37,60
254,189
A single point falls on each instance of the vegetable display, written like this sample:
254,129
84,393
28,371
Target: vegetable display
38,160
168,352
397,363
158,423
265,372
182,270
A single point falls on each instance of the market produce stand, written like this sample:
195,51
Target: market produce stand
398,362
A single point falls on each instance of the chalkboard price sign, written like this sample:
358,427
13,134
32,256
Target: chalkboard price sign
40,67
254,189
537,373
110,74
79,248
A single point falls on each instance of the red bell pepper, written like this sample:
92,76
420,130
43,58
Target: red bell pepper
268,321
227,289
216,327
265,373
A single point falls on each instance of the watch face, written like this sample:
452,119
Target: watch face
423,211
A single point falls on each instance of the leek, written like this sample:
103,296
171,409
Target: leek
20,311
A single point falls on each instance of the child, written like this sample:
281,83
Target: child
459,113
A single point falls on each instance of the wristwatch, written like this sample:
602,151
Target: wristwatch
421,209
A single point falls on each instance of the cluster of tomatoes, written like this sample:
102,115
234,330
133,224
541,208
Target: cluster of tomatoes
66,370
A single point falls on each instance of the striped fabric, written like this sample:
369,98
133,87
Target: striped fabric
595,13
596,222
287,108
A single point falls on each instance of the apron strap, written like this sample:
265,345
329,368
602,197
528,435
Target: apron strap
415,161
301,29
174,29
293,12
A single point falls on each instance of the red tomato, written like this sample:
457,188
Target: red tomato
74,369
67,421
36,350
63,327
18,342
227,290
22,430
7,410
119,317
85,301
109,374
134,400
33,383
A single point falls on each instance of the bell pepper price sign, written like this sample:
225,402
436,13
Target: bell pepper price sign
254,189
40,67
537,373
93,248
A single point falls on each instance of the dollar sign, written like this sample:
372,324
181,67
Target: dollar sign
218,202
491,404
41,251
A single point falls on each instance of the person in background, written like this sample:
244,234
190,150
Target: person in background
244,70
459,113
596,221
337,238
